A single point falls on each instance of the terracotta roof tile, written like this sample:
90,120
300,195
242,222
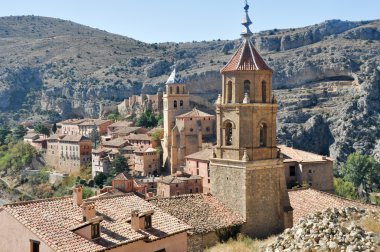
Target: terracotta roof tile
52,220
203,212
194,113
309,201
204,155
117,142
292,154
246,58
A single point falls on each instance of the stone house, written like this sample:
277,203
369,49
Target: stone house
83,127
139,139
115,223
179,184
207,216
303,167
35,140
146,161
123,129
199,164
67,153
125,183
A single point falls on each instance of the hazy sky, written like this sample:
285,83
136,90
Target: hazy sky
179,20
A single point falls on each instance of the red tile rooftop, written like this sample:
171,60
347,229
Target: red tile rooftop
309,201
203,212
52,220
246,58
195,113
292,154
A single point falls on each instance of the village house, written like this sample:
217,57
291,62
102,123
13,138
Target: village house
83,127
125,183
139,139
123,129
303,167
116,223
199,164
178,184
67,153
146,161
37,141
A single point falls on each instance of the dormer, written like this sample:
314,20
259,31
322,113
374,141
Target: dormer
141,221
90,226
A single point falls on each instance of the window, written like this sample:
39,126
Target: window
95,232
310,171
161,250
263,135
197,164
247,88
264,91
148,221
198,172
176,185
171,90
175,104
191,190
229,92
181,103
228,134
196,190
34,246
208,129
292,171
177,90
191,129
183,90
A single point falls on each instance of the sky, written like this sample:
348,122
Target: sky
182,21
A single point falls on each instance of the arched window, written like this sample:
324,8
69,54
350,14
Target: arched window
228,136
229,92
247,88
175,104
264,91
171,90
180,103
177,90
183,90
263,135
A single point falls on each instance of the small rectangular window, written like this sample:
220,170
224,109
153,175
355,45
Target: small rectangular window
34,246
292,171
148,221
95,232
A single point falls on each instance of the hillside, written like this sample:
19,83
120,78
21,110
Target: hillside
326,75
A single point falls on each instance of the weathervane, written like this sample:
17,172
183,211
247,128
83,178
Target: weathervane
246,33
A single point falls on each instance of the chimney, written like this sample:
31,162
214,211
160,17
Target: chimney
88,211
141,221
77,195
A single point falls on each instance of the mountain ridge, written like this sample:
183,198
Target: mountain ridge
326,76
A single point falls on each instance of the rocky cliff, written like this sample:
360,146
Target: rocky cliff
326,76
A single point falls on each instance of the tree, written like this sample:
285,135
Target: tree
100,178
361,170
19,132
95,137
115,116
4,132
42,129
119,165
345,189
54,128
147,119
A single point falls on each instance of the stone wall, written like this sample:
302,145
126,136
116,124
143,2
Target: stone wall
200,242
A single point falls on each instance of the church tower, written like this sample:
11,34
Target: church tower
176,102
247,172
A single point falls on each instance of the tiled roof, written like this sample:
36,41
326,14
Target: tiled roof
292,154
246,58
91,122
144,149
203,212
203,155
52,220
123,176
140,137
121,124
182,178
174,78
31,135
126,130
309,201
194,113
74,138
117,142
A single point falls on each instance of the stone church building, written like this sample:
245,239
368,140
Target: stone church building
247,173
185,128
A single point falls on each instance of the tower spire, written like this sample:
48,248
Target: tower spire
246,33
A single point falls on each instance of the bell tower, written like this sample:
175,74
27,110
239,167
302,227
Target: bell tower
176,101
247,172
